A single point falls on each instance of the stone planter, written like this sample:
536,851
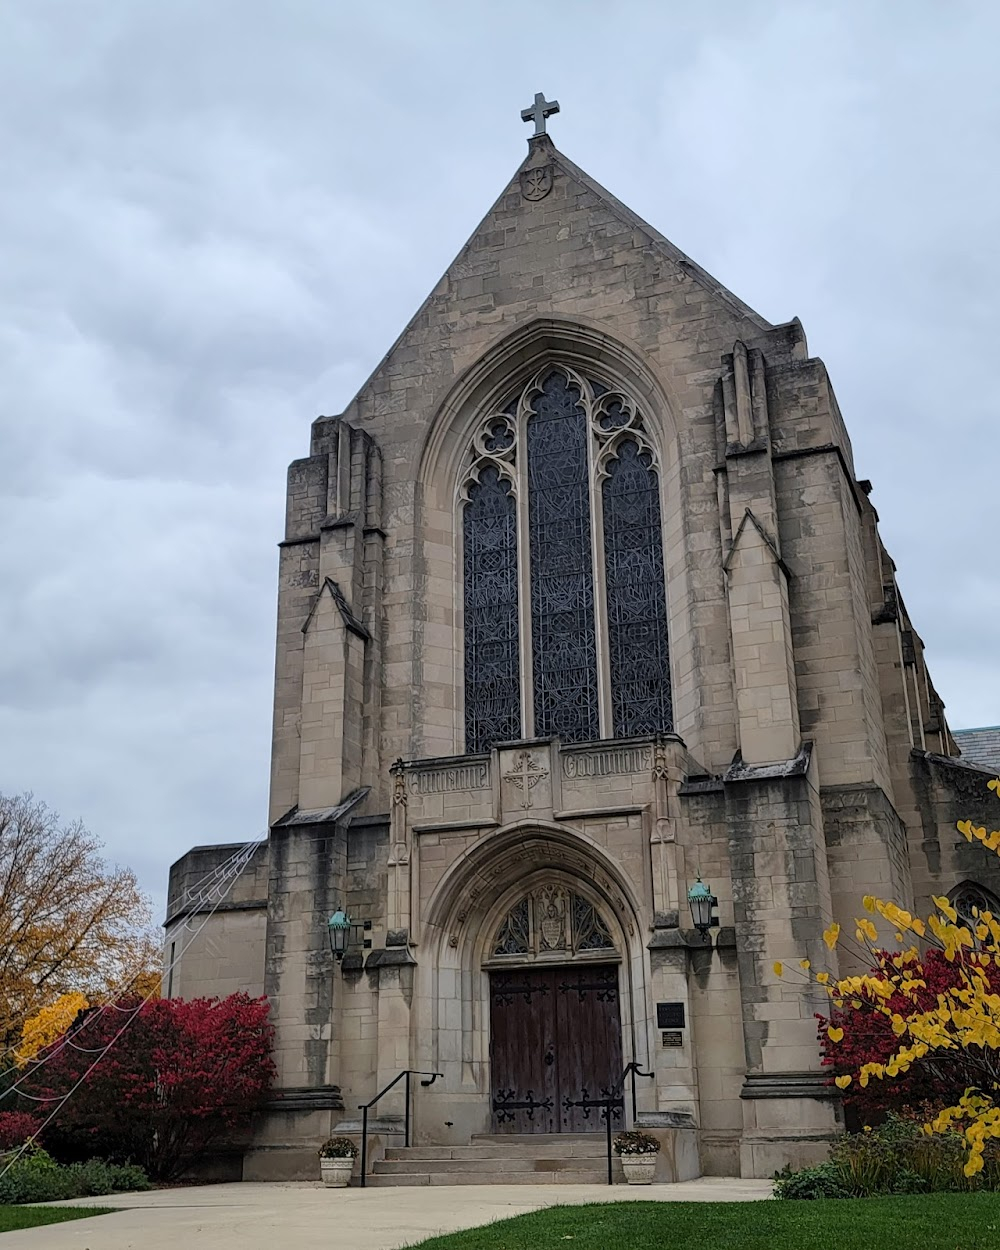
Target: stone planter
639,1169
336,1173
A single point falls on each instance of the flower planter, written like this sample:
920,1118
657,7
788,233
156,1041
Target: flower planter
639,1169
336,1173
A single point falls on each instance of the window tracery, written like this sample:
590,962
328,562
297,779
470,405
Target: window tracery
551,920
971,901
590,933
565,599
513,935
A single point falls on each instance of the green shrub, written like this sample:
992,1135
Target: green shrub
823,1181
898,1157
36,1177
98,1177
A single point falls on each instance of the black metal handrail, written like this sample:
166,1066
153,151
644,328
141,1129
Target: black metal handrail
616,1098
364,1108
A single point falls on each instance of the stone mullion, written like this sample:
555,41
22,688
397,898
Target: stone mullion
523,571
605,702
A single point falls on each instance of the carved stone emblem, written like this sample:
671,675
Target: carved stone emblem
525,774
536,183
550,903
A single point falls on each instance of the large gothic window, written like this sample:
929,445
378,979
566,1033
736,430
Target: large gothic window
565,599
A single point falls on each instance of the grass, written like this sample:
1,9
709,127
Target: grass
926,1222
12,1218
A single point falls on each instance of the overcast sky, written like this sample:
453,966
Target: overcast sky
216,216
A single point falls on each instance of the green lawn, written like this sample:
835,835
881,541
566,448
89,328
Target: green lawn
932,1222
30,1217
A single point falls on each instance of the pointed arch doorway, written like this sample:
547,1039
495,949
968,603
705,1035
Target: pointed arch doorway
555,1015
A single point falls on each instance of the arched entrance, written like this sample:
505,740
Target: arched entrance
533,937
555,1009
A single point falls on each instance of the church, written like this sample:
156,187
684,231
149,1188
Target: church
595,696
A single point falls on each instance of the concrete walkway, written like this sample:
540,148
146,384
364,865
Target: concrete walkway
309,1217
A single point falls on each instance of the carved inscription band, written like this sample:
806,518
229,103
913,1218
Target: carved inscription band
611,763
460,777
615,761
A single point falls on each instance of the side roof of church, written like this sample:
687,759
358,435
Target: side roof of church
980,746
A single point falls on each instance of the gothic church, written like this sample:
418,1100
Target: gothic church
582,608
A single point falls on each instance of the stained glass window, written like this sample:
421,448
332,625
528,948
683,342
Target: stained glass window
564,660
554,440
590,933
637,604
513,935
492,664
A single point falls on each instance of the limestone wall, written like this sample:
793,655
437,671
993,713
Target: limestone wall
221,957
214,929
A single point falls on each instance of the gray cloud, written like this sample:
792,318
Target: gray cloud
218,217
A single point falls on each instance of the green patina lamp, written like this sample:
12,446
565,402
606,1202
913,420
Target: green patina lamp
339,927
701,901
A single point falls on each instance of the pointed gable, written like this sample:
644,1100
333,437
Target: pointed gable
555,243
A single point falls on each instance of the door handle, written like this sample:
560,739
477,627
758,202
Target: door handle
549,1058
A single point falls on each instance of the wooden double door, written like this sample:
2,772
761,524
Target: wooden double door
555,1048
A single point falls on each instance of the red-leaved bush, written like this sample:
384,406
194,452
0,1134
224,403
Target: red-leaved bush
16,1127
183,1078
934,1082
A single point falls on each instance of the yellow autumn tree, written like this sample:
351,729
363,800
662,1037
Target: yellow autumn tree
53,1020
960,1031
70,923
48,1025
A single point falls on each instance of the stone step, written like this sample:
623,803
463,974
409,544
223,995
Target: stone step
583,1176
532,1139
499,1159
483,1151
575,1145
484,1168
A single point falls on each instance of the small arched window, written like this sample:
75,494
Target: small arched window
564,590
971,901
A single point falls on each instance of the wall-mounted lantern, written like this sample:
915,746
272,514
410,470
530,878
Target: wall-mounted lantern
701,900
341,931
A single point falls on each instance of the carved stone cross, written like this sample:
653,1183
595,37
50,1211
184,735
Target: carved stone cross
538,112
526,774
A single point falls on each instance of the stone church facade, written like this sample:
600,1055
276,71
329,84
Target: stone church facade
580,600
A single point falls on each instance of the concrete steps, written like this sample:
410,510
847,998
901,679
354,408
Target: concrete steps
545,1159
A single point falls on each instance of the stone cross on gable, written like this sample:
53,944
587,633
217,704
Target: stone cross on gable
538,112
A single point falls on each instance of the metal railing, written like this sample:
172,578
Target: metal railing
365,1107
616,1098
